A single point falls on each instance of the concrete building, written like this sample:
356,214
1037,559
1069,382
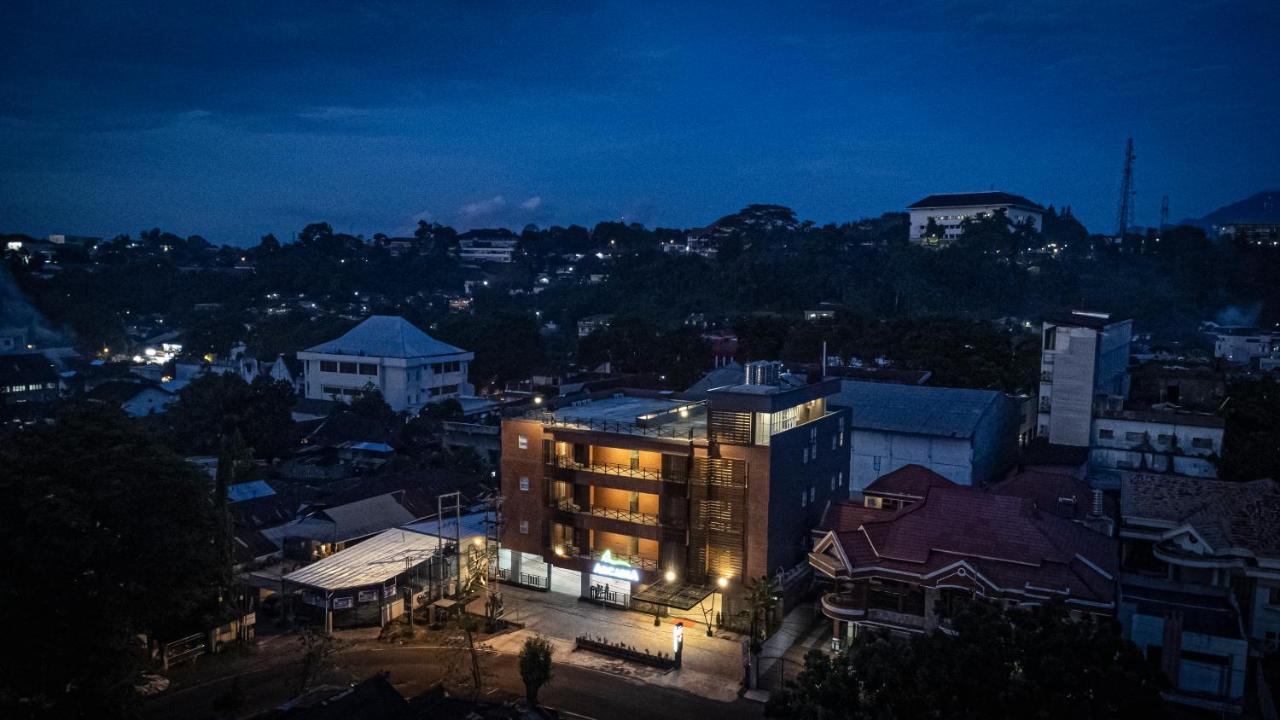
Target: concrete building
637,499
949,211
1181,443
27,377
910,569
487,246
1256,234
1200,581
1083,355
1084,402
388,354
967,436
1240,345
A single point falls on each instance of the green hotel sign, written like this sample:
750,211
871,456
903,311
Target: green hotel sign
610,567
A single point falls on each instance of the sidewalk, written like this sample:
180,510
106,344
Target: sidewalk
803,629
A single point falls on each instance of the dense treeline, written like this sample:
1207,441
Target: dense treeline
767,262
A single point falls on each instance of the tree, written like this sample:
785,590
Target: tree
1252,436
370,405
535,666
1033,663
211,407
108,537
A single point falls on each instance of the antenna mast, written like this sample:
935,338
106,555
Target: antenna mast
1126,192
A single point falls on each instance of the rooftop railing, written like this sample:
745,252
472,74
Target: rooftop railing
665,430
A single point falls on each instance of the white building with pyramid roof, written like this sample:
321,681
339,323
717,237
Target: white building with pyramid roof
386,353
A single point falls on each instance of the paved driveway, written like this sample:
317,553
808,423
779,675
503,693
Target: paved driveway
712,666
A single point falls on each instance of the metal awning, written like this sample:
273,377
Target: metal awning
678,595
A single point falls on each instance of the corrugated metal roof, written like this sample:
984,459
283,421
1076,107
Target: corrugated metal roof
386,336
249,491
919,410
346,522
383,556
373,561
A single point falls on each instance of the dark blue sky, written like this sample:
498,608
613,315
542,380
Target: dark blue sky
233,122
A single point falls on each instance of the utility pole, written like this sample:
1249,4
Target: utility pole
1127,193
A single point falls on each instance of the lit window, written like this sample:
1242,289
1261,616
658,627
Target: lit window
524,483
812,493
804,498
524,527
522,442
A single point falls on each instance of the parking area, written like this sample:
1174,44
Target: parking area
564,617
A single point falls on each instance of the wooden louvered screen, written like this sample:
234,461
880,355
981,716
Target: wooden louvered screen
718,509
729,427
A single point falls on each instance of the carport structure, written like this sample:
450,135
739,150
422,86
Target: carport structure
363,583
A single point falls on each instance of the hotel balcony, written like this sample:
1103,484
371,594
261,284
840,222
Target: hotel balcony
608,513
616,469
642,562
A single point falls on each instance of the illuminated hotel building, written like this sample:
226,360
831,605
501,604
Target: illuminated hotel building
643,500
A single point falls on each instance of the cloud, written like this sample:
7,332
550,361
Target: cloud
483,207
532,203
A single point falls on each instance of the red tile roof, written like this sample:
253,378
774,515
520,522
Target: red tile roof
1054,492
1015,549
908,481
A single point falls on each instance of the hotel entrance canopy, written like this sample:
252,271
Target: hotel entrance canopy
678,595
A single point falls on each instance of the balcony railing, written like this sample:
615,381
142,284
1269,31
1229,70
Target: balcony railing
842,606
635,561
640,518
625,515
568,463
566,505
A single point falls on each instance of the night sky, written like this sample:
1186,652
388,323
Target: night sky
234,122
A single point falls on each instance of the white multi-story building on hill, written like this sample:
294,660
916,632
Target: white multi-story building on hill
386,353
950,210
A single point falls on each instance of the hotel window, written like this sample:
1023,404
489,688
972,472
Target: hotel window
804,498
805,455
841,476
1105,434
368,369
524,527
347,368
833,482
1135,436
1051,338
328,366
834,439
524,483
813,491
1203,443
1165,439
522,442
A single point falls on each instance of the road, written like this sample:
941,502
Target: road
264,682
